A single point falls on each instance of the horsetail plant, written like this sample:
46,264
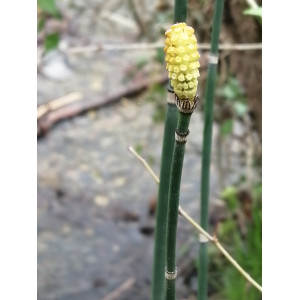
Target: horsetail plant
212,239
182,64
206,150
158,285
158,271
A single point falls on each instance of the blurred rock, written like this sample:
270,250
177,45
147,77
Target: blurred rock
55,66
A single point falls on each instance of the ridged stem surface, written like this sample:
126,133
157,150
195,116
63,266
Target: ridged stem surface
158,269
206,151
180,11
159,257
173,203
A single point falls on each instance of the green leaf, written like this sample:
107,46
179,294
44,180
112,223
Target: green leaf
240,108
257,12
229,194
228,92
226,127
41,24
231,89
51,41
235,85
49,6
257,191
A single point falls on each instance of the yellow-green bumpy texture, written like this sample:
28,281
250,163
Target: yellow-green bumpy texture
182,60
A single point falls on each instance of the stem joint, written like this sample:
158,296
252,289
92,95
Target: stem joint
181,137
171,275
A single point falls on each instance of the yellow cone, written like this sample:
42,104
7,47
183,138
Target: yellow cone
182,60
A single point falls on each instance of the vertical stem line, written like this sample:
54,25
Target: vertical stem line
180,11
158,268
170,290
159,258
206,151
173,203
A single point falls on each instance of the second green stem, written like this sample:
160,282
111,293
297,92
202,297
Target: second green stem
207,137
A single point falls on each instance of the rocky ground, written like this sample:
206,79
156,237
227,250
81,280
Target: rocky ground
94,231
94,227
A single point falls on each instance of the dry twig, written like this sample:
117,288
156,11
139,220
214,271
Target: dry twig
143,161
60,102
221,248
202,231
147,46
76,108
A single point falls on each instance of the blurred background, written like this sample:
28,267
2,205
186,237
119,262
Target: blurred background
101,88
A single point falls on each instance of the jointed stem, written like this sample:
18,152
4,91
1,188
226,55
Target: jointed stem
158,281
173,203
201,230
158,269
221,248
207,136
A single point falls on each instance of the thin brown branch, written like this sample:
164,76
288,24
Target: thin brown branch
143,161
202,231
221,248
148,46
60,102
48,120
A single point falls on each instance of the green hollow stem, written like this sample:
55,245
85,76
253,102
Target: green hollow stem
158,269
159,257
180,11
173,203
206,150
171,289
